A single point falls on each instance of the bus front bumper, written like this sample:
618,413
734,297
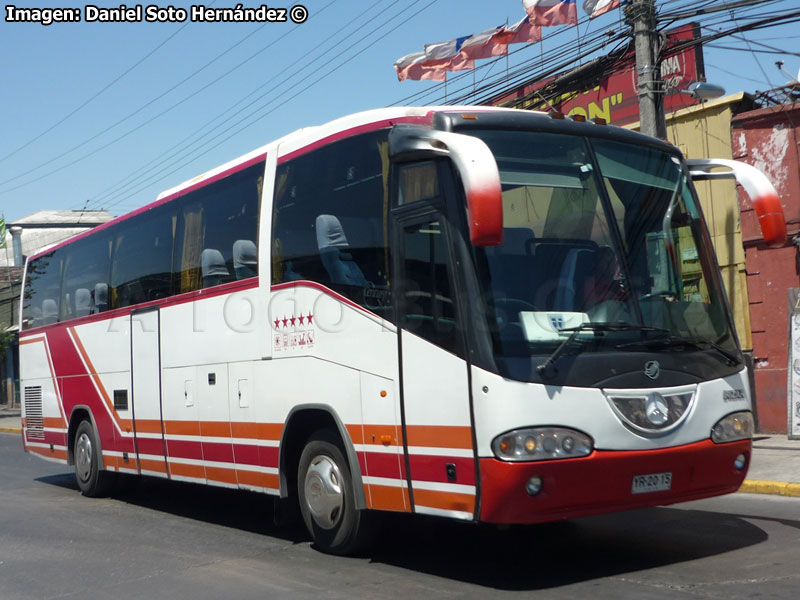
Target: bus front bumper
603,481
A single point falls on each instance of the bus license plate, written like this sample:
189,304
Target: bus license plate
654,482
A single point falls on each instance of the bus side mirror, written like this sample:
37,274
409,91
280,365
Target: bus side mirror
475,165
762,193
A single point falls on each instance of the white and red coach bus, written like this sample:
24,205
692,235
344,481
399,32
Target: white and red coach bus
484,314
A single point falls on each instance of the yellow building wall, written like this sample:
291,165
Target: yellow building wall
704,131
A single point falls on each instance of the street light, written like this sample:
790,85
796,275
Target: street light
700,90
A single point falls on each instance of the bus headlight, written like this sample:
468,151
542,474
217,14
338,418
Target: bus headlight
736,426
542,443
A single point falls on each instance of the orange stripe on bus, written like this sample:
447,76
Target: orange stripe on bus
117,463
439,436
384,497
53,422
54,453
445,500
148,426
270,431
215,429
194,471
157,466
378,434
356,433
264,480
221,475
247,431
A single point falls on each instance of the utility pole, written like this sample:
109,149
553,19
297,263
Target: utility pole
641,15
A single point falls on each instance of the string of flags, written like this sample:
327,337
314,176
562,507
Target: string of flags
461,53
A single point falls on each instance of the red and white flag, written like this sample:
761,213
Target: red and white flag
525,32
551,12
448,56
412,66
490,43
595,8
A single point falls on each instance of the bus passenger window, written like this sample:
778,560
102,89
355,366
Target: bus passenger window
141,267
217,232
40,301
330,220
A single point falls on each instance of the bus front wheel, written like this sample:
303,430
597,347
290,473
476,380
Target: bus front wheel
92,481
326,495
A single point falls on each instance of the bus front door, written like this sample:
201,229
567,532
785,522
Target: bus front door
437,420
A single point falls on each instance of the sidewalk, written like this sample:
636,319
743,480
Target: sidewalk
10,421
774,469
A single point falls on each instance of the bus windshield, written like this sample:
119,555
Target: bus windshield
603,244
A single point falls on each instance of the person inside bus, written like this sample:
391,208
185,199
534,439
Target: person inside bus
604,282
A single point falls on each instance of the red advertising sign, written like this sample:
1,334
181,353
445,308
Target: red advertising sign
615,98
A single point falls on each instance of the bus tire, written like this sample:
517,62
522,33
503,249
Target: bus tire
92,481
327,499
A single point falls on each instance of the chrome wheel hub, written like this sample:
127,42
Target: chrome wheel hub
323,491
83,457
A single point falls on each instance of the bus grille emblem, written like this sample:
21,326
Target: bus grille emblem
652,369
656,409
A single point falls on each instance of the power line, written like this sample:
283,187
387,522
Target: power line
150,102
253,116
96,94
203,131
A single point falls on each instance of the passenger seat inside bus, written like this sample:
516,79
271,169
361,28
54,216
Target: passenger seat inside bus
83,302
245,259
49,311
213,268
100,297
333,250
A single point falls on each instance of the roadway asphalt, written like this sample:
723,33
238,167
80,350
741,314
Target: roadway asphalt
774,469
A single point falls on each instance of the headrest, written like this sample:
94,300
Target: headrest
330,232
100,294
212,263
83,301
244,253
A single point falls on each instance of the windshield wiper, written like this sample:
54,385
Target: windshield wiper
695,342
595,327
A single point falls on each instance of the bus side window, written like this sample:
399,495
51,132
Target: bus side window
329,223
217,232
86,265
40,303
141,267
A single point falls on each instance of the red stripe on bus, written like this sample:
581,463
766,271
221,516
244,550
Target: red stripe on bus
353,131
434,468
192,450
380,464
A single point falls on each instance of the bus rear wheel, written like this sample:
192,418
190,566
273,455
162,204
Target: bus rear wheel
92,481
327,498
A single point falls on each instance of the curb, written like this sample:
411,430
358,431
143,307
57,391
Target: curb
10,430
775,488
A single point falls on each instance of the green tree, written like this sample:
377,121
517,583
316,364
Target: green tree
6,337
